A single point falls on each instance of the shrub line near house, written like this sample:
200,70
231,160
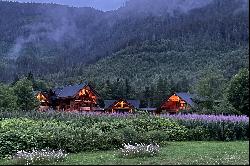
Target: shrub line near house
76,133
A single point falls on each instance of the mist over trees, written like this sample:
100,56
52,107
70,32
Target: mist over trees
137,51
42,37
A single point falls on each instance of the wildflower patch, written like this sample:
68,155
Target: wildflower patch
35,157
138,150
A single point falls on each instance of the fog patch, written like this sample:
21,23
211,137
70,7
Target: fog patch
57,28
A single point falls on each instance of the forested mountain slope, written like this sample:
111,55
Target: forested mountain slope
177,60
140,41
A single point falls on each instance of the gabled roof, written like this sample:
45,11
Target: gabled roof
187,97
134,103
108,103
69,91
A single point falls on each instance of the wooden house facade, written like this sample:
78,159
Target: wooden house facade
121,106
81,97
177,102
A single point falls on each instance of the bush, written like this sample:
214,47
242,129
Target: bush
25,134
213,127
8,98
75,136
157,136
237,92
197,133
76,133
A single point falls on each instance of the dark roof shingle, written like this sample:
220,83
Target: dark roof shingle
135,103
69,91
187,97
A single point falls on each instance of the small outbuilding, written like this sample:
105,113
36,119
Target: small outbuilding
121,106
176,102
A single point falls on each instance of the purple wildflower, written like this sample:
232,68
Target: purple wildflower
209,118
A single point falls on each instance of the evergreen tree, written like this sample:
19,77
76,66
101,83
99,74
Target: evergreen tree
40,85
8,98
128,90
16,78
25,95
237,92
183,85
161,91
172,85
152,99
146,98
211,86
107,92
118,89
30,77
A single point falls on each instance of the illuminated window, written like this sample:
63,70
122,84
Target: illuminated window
40,97
174,98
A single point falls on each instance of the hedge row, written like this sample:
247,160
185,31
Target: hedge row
25,134
75,133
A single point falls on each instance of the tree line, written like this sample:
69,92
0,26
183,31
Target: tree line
233,96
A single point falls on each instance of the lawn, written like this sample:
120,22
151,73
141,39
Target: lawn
173,153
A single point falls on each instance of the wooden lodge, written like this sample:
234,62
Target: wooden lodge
81,97
177,102
121,106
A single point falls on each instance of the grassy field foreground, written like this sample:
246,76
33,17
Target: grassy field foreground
173,153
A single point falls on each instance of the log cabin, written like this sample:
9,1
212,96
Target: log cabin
177,102
80,97
121,106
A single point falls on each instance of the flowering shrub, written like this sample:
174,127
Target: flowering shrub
139,150
34,157
76,136
76,132
213,127
209,118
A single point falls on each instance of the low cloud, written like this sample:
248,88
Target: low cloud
59,27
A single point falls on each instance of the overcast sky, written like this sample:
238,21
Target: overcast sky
98,4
